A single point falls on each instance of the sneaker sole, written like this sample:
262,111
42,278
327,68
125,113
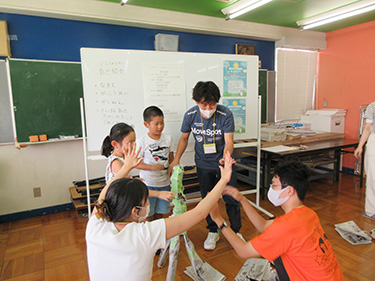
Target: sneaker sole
213,248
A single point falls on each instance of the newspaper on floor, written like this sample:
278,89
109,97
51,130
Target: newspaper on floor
256,269
352,233
206,272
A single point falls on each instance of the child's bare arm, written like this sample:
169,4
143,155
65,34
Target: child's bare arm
149,167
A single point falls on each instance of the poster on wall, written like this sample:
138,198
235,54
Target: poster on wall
235,78
238,108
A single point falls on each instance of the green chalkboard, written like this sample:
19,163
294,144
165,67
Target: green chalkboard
46,98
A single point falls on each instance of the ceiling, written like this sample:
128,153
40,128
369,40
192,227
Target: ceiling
278,12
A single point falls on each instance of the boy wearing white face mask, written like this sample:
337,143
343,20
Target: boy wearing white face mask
212,126
296,241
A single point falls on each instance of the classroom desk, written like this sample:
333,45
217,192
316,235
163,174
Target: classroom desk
311,150
315,148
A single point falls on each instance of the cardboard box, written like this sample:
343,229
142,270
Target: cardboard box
326,120
273,134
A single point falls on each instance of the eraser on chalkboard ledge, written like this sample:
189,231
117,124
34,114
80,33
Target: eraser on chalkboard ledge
68,137
34,138
42,137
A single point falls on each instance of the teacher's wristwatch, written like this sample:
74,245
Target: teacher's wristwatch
225,224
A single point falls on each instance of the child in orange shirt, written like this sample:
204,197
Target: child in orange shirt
296,241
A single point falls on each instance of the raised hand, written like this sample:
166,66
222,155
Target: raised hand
131,153
226,171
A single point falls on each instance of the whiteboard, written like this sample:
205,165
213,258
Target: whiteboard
6,124
119,84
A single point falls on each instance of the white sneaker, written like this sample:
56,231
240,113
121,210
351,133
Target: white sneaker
240,235
211,240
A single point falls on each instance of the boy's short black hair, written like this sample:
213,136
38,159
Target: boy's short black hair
206,92
150,112
295,174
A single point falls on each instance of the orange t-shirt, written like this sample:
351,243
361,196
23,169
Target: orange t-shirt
298,238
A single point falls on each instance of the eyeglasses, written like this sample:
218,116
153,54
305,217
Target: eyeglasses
282,185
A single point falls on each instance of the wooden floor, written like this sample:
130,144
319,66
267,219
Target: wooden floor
53,247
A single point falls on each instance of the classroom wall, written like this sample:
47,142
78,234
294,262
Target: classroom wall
53,167
58,39
345,75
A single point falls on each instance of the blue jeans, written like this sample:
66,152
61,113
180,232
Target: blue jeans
159,206
207,179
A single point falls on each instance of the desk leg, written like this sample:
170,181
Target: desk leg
264,175
337,164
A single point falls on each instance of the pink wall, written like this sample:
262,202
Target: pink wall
346,75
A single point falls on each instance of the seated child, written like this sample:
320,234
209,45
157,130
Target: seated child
120,246
296,240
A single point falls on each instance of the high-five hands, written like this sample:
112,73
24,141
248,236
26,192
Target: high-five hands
226,171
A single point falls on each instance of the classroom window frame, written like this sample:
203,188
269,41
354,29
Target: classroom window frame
295,82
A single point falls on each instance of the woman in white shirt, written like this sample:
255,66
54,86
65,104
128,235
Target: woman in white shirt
120,246
368,136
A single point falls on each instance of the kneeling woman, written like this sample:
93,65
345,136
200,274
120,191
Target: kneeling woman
120,246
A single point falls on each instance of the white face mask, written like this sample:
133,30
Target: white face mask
273,196
140,219
207,113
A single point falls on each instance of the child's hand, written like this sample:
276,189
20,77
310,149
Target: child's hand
131,159
234,192
170,168
166,195
226,172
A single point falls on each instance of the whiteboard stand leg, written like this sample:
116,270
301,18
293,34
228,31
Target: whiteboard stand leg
11,102
257,192
85,158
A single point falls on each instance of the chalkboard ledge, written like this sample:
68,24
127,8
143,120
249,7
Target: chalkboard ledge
50,141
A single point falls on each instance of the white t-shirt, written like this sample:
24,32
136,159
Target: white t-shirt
124,255
370,116
109,174
153,152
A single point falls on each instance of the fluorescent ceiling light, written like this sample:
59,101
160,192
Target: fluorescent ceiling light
338,14
241,7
